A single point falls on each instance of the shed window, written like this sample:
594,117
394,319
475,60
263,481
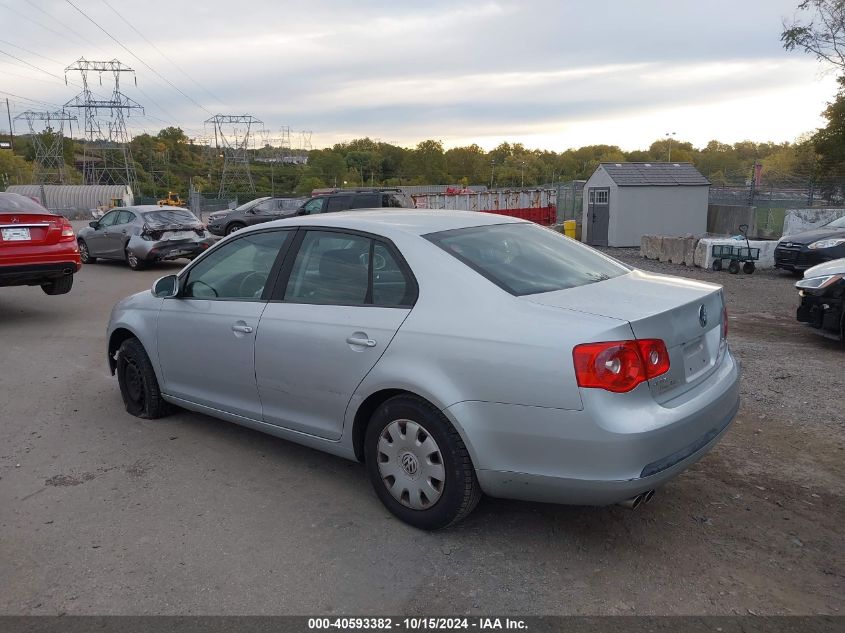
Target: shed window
601,196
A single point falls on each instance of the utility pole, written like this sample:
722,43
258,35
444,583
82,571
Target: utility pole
492,168
669,135
46,129
522,165
11,132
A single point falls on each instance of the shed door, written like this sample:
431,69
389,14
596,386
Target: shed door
598,215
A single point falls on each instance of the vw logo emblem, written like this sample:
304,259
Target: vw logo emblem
409,463
702,316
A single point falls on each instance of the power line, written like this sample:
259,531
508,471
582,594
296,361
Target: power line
31,65
160,52
26,50
124,47
28,19
82,40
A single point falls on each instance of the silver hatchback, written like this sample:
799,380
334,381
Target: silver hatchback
453,353
142,235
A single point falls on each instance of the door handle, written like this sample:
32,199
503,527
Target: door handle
243,329
363,342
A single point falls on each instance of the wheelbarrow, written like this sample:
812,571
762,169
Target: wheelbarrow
736,255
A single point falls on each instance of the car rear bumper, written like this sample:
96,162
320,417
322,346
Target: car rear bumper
163,250
573,457
36,274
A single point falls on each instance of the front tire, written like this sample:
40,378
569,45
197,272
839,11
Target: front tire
59,286
138,383
748,268
85,254
418,464
233,227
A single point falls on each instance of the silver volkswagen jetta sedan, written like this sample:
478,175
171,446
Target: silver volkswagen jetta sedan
454,353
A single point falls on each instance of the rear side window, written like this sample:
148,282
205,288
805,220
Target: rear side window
524,258
338,268
337,203
366,201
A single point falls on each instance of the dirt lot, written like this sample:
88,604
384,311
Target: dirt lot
104,513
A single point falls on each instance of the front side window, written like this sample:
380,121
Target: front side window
109,218
239,269
347,269
314,206
524,258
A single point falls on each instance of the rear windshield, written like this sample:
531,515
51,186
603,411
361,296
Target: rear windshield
170,216
16,203
526,259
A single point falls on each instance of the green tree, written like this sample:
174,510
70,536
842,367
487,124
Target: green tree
829,141
820,32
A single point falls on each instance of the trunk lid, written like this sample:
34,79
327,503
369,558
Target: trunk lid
685,314
29,229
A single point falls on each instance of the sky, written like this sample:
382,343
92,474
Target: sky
548,74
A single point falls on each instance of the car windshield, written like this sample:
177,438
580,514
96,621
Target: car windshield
170,216
839,223
16,203
524,258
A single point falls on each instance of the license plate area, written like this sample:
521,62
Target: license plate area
16,234
173,236
697,358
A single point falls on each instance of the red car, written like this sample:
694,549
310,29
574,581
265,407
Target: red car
37,248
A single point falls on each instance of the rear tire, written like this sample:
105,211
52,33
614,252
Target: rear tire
234,226
717,265
748,268
134,262
85,254
733,267
138,383
58,286
411,447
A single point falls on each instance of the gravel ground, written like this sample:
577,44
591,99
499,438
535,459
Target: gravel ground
102,513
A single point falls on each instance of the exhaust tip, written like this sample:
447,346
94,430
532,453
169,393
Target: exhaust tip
633,503
67,271
648,496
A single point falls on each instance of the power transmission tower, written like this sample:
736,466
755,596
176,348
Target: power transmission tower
232,134
107,158
46,129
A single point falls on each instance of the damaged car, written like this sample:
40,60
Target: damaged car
143,235
822,292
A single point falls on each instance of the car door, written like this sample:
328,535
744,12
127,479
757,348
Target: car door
262,212
339,302
206,334
97,240
115,236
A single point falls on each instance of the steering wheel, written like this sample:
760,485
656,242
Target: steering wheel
252,285
379,261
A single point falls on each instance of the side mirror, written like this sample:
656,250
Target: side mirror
301,212
166,287
94,224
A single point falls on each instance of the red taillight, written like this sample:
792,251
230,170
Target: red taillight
619,366
67,231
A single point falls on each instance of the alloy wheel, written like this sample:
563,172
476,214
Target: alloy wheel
410,464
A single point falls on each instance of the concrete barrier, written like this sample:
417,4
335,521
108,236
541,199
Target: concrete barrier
704,251
669,248
725,219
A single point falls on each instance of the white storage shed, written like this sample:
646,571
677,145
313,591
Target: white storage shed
624,201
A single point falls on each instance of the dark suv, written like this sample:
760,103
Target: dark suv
344,200
252,212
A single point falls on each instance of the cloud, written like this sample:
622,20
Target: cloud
552,74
